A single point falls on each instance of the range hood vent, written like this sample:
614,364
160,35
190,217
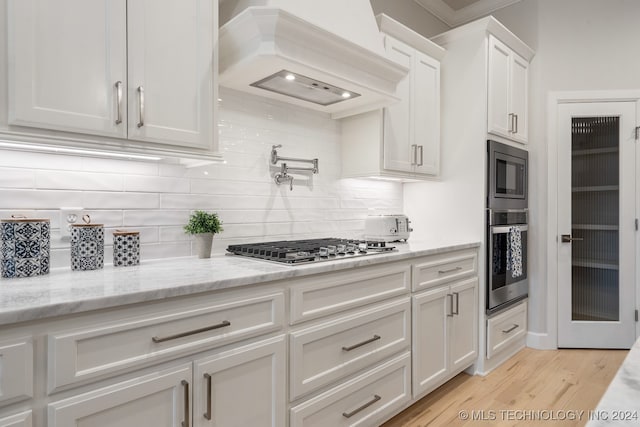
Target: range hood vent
304,88
314,54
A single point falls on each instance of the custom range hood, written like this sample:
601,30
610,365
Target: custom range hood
327,55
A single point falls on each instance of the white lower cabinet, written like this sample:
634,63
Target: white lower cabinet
159,399
242,387
16,370
23,419
363,401
445,337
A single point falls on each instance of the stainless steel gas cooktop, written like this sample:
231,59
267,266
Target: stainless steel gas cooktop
295,252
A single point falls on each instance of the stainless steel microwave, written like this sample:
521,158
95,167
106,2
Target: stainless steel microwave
507,176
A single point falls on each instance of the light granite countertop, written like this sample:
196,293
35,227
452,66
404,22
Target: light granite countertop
620,404
63,291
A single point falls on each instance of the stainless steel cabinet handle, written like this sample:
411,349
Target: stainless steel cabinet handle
118,102
516,127
449,271
511,127
450,314
207,414
140,106
360,344
187,406
414,154
511,329
566,238
362,408
457,295
222,324
421,155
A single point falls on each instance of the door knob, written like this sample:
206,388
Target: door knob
566,238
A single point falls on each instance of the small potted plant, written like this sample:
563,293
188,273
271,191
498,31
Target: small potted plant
203,226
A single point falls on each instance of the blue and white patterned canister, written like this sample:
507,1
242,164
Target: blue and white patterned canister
24,247
126,248
87,246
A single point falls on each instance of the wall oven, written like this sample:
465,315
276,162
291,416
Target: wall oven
507,258
507,180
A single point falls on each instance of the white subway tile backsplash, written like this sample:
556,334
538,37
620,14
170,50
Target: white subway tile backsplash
38,199
156,184
157,198
16,178
59,180
113,200
155,217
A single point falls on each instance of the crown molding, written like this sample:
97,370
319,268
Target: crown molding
453,18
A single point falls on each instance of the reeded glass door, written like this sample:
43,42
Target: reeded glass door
596,229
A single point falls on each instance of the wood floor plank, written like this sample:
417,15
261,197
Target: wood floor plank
556,384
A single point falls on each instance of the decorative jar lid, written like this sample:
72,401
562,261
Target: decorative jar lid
87,223
125,233
24,220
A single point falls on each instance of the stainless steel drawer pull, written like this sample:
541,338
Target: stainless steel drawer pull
140,106
222,324
511,329
370,340
449,271
119,102
187,405
362,408
207,414
457,295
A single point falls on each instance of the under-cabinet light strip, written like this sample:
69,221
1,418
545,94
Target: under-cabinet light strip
74,151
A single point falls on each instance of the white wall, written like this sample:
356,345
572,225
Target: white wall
157,199
412,15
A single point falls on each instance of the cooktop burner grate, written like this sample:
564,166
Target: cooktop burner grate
307,251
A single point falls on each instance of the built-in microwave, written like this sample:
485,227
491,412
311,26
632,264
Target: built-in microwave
507,177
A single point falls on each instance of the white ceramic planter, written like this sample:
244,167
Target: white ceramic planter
204,242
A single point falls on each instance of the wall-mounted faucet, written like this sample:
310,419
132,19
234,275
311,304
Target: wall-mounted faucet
284,176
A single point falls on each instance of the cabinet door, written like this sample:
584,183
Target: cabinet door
399,152
65,58
520,97
430,335
16,370
242,387
426,113
463,330
170,53
23,419
161,399
499,119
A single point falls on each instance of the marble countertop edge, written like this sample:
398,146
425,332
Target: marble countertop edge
63,292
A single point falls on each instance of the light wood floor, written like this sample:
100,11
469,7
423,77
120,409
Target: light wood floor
555,381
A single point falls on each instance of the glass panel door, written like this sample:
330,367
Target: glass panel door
596,234
595,185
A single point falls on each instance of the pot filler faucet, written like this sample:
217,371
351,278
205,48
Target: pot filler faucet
283,176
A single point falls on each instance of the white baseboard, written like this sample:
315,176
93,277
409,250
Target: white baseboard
541,341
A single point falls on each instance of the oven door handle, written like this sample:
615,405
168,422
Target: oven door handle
506,228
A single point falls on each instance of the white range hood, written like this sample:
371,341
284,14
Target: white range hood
327,55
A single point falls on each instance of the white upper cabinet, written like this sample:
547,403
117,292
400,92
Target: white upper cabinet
508,92
65,58
136,69
169,94
403,140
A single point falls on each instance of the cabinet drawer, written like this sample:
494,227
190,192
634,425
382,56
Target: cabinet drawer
16,370
340,347
364,401
100,350
22,419
506,328
331,293
444,268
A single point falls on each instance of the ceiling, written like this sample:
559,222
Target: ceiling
457,12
